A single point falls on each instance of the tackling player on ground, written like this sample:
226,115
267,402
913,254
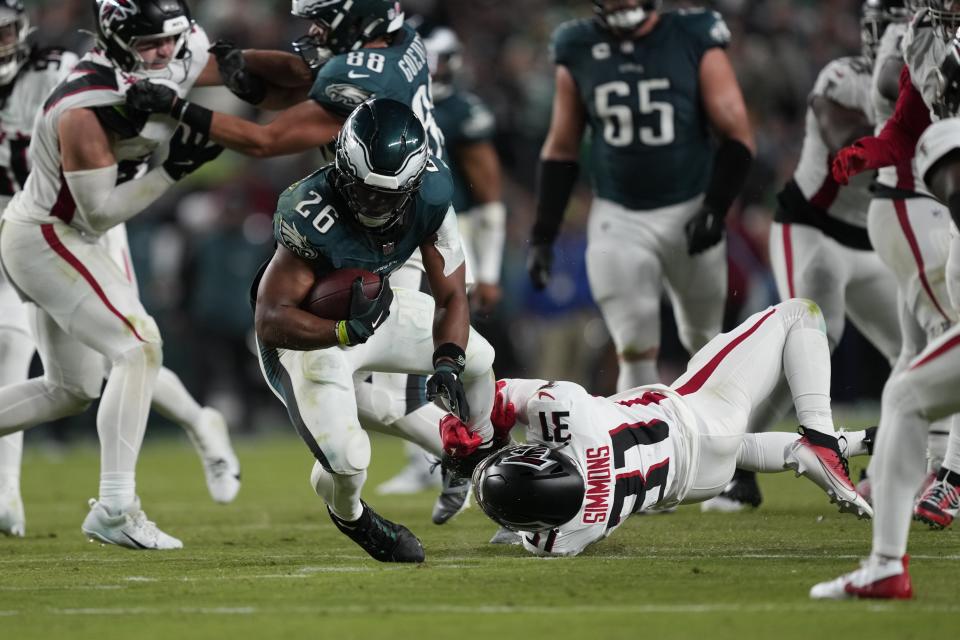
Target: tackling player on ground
383,198
651,87
590,462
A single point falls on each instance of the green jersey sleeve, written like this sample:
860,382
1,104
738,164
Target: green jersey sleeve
706,29
569,40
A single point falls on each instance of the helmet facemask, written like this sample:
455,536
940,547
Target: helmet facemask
945,17
339,27
14,50
623,17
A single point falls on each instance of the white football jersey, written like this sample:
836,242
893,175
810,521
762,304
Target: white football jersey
20,101
924,52
634,451
96,82
848,82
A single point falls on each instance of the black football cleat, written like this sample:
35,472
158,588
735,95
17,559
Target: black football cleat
384,540
741,492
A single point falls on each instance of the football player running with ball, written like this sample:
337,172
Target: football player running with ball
89,176
590,462
354,50
651,87
383,198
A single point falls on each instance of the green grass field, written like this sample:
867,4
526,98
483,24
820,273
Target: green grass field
272,565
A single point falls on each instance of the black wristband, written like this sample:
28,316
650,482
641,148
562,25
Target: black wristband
450,354
731,165
554,185
953,203
196,117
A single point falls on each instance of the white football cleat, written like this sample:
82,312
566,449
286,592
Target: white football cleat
877,578
130,528
12,520
413,478
814,457
220,465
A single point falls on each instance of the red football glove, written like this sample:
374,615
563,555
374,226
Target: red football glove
848,162
503,415
457,438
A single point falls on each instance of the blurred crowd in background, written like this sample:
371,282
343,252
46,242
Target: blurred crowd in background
196,250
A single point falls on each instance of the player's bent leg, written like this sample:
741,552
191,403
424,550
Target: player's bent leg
208,432
16,351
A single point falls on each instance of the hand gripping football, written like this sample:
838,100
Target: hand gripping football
330,296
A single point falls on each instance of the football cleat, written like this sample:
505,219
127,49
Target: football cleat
938,505
221,468
384,540
413,478
740,493
816,455
130,528
12,520
505,536
876,578
453,497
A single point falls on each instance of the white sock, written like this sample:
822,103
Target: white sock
765,452
11,452
852,443
806,366
122,418
937,444
117,490
340,492
637,373
172,400
951,458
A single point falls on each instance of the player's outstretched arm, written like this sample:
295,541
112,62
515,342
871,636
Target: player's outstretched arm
272,80
304,126
279,321
896,142
557,175
727,112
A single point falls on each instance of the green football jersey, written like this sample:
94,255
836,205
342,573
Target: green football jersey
463,119
310,221
650,141
398,72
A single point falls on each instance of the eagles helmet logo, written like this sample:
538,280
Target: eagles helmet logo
296,241
535,457
348,94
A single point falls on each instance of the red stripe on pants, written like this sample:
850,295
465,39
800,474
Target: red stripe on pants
700,377
936,353
50,235
901,207
788,258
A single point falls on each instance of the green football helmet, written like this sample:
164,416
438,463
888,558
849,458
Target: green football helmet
343,25
381,155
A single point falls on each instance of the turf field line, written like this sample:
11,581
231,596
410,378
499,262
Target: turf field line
687,608
85,587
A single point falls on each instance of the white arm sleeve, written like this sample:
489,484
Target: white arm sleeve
102,203
488,232
448,243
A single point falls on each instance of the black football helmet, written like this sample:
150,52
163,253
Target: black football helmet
343,25
14,28
381,155
529,487
945,17
624,16
121,23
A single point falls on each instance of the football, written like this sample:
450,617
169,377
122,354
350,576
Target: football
330,296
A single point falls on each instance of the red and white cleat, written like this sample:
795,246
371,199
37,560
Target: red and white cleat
938,505
817,456
883,579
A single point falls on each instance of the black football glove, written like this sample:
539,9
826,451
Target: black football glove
153,97
539,264
445,385
236,77
704,230
189,150
366,314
